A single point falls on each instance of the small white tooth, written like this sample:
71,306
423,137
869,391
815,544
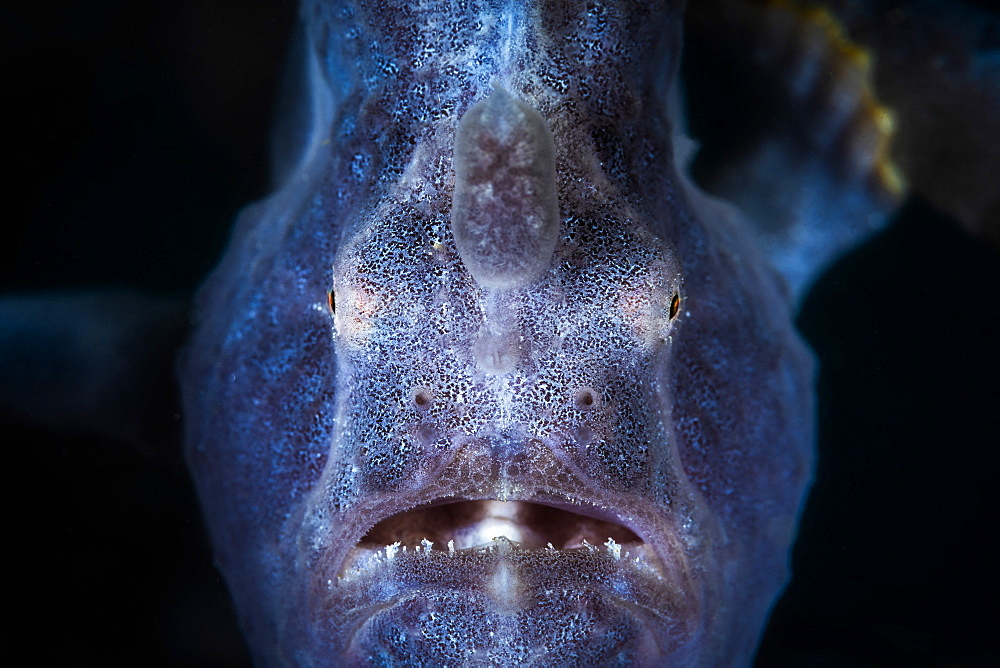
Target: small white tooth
426,544
451,547
614,549
391,550
549,545
587,545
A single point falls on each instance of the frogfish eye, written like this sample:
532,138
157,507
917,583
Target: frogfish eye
675,305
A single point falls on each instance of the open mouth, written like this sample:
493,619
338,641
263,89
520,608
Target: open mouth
471,525
515,580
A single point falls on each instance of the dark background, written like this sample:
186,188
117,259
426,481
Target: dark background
135,134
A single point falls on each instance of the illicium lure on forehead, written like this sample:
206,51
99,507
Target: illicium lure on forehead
488,381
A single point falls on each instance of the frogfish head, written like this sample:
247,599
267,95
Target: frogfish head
522,414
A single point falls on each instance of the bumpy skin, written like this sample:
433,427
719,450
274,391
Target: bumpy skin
646,373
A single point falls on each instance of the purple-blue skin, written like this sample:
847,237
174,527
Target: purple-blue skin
487,381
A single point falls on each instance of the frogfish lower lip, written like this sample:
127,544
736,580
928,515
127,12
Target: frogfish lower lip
457,526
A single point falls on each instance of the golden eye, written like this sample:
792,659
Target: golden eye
675,305
331,301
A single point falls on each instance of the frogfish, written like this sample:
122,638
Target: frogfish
487,381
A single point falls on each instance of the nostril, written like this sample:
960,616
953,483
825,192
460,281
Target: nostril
421,398
586,399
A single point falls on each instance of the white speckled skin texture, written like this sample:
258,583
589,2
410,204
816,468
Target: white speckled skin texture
633,362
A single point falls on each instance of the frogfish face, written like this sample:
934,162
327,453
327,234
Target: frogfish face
513,492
